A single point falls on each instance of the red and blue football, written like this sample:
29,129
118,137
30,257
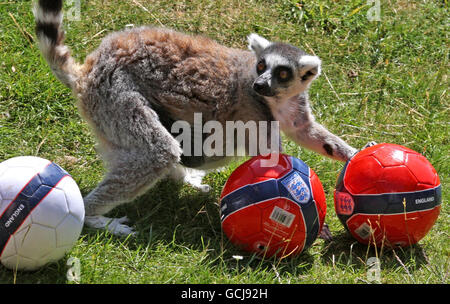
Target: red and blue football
388,195
274,210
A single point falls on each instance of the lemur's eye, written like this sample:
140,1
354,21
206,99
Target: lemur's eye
283,75
261,66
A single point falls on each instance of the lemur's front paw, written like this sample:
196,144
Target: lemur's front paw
369,144
325,234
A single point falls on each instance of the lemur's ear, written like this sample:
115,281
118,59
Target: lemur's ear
257,43
310,67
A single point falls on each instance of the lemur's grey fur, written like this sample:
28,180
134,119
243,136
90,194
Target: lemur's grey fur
139,81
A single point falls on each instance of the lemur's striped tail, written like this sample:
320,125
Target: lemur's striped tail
48,15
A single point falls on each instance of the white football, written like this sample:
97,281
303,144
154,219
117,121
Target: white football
41,212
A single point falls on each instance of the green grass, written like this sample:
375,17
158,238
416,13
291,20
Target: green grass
387,81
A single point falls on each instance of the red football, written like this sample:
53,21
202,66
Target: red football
388,195
277,210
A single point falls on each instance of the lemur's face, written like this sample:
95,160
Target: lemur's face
282,70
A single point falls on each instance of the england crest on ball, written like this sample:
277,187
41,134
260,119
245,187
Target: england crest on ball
297,188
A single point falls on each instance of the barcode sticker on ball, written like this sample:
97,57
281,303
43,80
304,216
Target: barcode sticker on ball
282,216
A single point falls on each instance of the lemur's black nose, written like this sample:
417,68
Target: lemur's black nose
262,88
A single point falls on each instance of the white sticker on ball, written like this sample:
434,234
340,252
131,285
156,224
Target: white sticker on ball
282,217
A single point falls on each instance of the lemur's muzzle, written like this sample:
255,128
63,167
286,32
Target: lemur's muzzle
262,86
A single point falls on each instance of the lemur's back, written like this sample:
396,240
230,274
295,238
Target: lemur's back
179,73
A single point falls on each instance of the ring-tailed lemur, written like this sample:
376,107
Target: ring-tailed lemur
141,80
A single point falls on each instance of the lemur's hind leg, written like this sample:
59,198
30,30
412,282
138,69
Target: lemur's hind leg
128,178
138,153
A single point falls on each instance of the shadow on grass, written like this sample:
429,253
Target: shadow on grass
54,273
344,251
171,213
